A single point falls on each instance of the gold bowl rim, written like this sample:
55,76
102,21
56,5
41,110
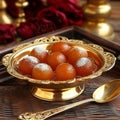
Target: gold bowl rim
108,60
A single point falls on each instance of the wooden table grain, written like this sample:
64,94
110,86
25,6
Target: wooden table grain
16,98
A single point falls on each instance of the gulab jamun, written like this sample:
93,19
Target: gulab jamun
26,64
75,53
84,66
60,47
42,71
39,53
65,71
55,58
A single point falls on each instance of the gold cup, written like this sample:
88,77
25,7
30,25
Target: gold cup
96,12
21,4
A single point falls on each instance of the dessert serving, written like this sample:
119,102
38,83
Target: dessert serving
59,61
57,67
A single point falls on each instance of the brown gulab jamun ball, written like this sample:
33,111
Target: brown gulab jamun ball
39,53
96,58
84,66
60,47
75,53
55,58
26,64
65,71
42,71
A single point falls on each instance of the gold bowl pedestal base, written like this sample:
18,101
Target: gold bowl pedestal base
57,95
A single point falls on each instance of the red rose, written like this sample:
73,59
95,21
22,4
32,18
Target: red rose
70,9
41,19
43,26
26,30
35,27
57,2
54,15
11,8
7,33
73,1
33,7
73,13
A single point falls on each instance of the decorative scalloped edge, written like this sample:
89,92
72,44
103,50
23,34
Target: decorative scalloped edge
109,59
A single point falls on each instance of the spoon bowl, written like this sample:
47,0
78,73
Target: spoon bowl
105,93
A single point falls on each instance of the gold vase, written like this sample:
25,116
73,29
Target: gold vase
4,17
96,12
21,4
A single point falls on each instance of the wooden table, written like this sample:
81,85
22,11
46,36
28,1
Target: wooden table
16,98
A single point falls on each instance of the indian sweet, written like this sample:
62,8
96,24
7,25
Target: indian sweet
26,64
84,66
39,53
42,71
75,53
60,47
55,58
65,71
97,59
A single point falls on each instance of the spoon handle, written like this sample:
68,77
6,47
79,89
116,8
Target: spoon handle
48,113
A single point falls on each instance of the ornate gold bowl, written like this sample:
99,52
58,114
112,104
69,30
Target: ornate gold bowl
52,90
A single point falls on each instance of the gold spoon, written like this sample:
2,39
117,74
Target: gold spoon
102,94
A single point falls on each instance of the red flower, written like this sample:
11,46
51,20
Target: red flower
73,13
57,2
43,26
7,33
54,15
34,6
70,9
26,30
11,8
35,27
42,19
